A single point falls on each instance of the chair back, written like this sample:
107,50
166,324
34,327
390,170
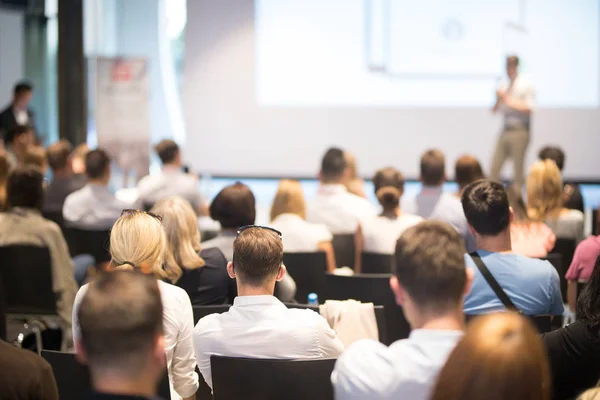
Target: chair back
543,323
566,249
595,221
202,311
260,379
55,216
376,263
93,242
370,288
343,247
308,271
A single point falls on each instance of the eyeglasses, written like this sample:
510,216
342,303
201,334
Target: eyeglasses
132,211
246,227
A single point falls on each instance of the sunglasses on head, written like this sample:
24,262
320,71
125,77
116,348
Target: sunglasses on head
132,211
246,227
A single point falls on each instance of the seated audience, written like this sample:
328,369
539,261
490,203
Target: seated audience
17,142
572,197
429,284
122,342
94,206
333,205
379,234
201,273
78,156
500,358
467,170
258,325
545,202
432,202
532,285
582,266
4,170
355,184
137,242
64,181
288,214
172,181
528,238
36,156
590,394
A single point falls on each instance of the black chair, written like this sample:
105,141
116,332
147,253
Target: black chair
202,311
370,288
543,323
343,247
259,379
57,217
308,271
566,248
93,242
595,221
73,379
376,263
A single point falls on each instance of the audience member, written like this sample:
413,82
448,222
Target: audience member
532,285
78,156
18,111
500,358
432,202
379,234
572,197
288,215
64,181
582,266
201,273
355,184
172,181
429,284
4,170
574,350
545,202
258,325
17,141
333,205
94,206
528,238
36,156
122,342
590,394
137,242
467,170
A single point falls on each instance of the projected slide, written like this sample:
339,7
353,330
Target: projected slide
426,53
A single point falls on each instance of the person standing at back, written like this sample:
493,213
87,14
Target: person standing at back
64,182
18,111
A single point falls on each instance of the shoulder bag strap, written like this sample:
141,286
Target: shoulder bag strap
493,283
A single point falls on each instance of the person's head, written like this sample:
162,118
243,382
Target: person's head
59,156
512,66
257,259
553,153
588,303
467,170
501,357
78,158
22,94
25,187
433,168
97,166
20,138
289,199
121,324
137,241
334,167
590,394
544,190
351,165
168,152
516,202
234,206
180,224
431,278
486,207
389,186
36,155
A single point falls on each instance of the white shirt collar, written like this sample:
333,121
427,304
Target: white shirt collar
434,334
264,300
332,188
431,190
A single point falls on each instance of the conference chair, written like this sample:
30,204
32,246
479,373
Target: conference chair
202,311
566,249
308,271
260,379
370,288
543,323
376,263
57,217
73,379
343,247
93,242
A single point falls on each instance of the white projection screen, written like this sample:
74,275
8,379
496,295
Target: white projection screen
270,84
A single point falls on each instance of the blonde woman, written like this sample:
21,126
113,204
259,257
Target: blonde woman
137,242
288,215
590,394
545,202
201,273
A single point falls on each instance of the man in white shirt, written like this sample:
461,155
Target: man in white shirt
429,284
172,181
333,205
515,97
258,325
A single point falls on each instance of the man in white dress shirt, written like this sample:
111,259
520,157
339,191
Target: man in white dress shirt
430,283
258,325
333,205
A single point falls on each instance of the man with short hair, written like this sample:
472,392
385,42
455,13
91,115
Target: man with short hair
121,324
333,205
258,325
17,142
18,111
573,199
532,285
429,284
64,181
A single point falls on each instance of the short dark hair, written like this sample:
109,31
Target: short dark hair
513,59
97,163
234,206
58,154
433,167
389,185
430,266
486,207
333,165
467,170
553,153
16,132
120,318
25,187
167,150
22,87
257,255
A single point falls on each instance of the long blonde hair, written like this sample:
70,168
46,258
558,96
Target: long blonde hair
180,224
544,190
289,199
137,241
590,394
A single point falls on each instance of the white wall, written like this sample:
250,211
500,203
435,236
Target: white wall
12,59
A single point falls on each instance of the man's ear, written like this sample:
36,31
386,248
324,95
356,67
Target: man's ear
281,273
230,270
469,282
471,229
398,290
80,355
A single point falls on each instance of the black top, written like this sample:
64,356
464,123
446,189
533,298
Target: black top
573,196
574,353
209,285
109,396
8,121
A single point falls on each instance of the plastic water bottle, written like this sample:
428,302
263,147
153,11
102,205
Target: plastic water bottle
313,299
